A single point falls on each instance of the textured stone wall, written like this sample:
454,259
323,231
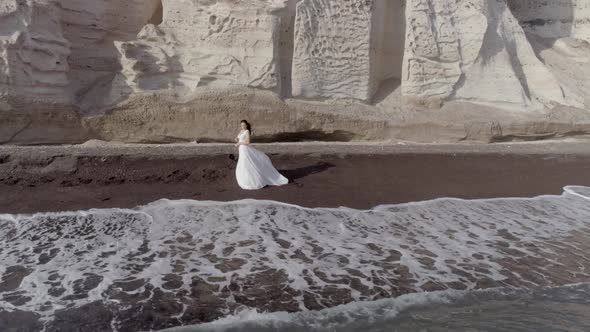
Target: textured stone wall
92,27
384,56
205,43
332,49
476,50
345,49
310,49
33,50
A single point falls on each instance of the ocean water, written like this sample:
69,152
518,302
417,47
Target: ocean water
565,308
387,268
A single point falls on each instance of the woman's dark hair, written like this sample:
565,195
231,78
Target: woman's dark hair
248,126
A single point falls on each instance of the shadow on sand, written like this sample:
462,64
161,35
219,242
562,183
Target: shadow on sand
301,172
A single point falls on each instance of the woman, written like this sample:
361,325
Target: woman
254,169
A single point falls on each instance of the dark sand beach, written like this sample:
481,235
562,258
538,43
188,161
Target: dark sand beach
175,263
43,179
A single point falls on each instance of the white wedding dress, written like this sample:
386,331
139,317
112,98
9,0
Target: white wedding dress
254,169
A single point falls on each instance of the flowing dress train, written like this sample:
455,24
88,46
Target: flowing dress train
254,169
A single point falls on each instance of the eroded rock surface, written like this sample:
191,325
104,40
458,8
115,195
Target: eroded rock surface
476,51
378,58
33,50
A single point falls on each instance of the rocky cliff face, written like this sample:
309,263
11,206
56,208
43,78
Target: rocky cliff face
172,70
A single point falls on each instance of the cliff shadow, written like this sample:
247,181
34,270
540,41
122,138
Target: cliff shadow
145,74
149,77
308,135
285,46
95,63
544,22
386,89
158,15
388,39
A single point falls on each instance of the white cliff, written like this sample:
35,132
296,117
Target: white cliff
520,61
346,49
33,50
200,43
476,51
559,32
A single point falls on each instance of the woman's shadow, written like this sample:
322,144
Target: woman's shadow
301,172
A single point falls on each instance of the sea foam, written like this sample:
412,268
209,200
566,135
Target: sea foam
270,256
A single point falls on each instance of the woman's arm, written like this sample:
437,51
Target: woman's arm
246,140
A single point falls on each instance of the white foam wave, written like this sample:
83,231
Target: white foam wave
380,315
275,256
579,191
351,315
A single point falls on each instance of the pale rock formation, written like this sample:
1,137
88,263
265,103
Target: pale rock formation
33,51
476,51
216,44
345,49
170,70
92,27
332,49
559,31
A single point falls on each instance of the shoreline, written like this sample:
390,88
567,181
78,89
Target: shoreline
180,263
329,175
103,148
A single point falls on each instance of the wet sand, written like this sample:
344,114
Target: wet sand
41,179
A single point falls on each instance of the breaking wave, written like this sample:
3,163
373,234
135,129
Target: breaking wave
186,262
565,308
